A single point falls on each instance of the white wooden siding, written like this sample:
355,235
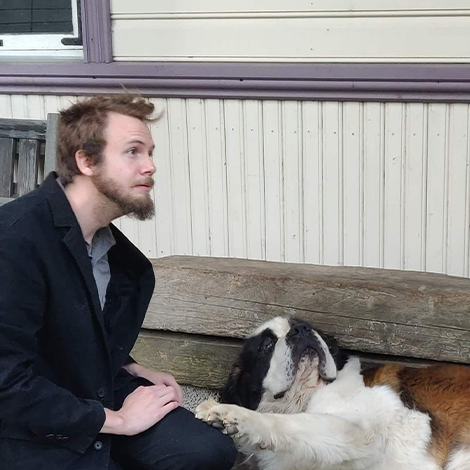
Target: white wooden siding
361,184
300,31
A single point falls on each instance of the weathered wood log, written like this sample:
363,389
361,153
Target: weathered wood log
28,152
399,313
6,167
194,360
23,128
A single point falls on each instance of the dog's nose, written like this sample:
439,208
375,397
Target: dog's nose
300,329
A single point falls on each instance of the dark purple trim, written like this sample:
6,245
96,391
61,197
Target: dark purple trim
357,82
96,31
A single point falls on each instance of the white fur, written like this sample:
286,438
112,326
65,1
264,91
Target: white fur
280,375
339,426
459,460
329,367
278,325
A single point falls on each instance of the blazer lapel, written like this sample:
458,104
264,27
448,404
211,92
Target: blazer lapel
64,219
74,242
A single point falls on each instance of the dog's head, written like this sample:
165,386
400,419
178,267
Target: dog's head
281,365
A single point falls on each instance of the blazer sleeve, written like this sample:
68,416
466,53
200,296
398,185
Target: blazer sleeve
28,400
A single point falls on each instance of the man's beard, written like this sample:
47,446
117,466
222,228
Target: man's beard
140,208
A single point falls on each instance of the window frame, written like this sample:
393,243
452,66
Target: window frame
45,45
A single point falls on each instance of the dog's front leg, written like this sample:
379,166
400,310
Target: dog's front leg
249,429
321,438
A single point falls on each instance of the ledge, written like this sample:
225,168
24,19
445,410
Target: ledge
333,82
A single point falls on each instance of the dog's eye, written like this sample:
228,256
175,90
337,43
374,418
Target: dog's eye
267,344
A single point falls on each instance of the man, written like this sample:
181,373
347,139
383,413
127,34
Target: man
73,295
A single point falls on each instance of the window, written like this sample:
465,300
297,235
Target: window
40,28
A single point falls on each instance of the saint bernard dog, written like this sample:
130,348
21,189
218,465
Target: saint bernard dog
295,401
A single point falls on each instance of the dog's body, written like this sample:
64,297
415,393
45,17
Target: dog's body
301,405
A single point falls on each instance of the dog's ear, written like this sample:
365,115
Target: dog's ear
230,393
339,356
241,388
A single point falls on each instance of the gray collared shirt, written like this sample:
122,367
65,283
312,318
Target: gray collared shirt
102,241
98,254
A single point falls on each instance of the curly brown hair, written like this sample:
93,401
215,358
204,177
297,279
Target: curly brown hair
82,126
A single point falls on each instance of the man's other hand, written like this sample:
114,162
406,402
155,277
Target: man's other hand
143,408
157,378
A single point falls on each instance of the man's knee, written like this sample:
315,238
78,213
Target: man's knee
178,442
218,453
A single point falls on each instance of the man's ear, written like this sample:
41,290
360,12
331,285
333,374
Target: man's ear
84,163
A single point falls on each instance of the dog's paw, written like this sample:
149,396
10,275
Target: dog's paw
203,412
231,419
204,407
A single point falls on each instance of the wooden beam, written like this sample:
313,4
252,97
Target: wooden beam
23,129
194,360
28,150
398,313
7,147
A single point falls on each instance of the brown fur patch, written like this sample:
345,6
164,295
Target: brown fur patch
440,391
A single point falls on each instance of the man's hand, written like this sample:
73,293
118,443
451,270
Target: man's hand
143,408
158,378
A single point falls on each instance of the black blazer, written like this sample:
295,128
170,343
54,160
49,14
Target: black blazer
60,355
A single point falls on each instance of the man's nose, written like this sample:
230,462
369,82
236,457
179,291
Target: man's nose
149,167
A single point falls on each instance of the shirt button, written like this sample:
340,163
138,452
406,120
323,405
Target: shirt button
98,445
101,392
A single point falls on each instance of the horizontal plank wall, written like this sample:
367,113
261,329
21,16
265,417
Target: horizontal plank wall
358,184
436,31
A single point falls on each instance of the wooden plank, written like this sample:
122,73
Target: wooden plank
193,360
7,147
436,181
400,313
198,184
353,184
254,179
332,175
206,362
28,150
51,143
273,204
414,186
374,183
180,176
393,199
292,187
236,178
23,128
313,182
458,187
217,176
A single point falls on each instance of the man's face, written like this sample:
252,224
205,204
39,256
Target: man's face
125,174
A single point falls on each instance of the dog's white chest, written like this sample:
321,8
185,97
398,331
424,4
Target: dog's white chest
401,435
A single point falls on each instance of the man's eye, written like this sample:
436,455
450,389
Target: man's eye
132,151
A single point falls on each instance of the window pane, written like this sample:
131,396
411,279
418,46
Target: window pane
35,16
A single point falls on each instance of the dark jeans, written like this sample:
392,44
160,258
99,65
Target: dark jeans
178,442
